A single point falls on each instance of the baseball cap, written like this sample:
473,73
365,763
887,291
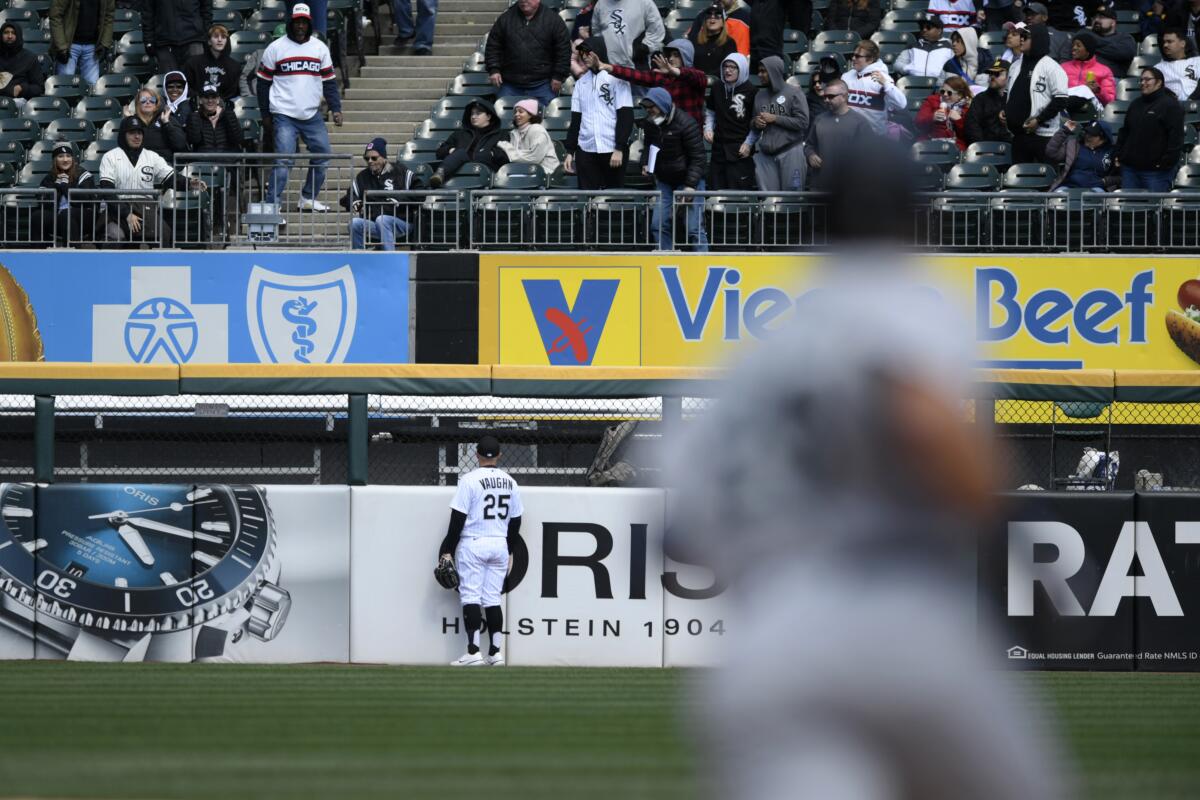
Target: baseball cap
715,10
1036,8
209,90
1093,129
930,21
999,65
301,11
1106,11
488,447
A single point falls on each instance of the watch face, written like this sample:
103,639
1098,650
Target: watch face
144,556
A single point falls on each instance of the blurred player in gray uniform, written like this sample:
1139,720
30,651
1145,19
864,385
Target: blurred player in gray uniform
485,512
837,492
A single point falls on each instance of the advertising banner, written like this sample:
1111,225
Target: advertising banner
1167,636
667,309
169,307
175,572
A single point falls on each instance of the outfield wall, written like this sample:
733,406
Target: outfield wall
1077,580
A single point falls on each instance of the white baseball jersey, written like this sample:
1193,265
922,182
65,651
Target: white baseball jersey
149,171
296,72
597,97
954,14
1181,76
490,498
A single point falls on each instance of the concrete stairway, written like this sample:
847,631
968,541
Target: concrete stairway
392,95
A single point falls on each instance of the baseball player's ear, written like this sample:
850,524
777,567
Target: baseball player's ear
952,460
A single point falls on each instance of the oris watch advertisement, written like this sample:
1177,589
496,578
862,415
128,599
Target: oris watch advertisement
190,308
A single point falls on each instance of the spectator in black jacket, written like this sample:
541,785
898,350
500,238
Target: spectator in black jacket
27,79
984,122
712,41
386,219
175,30
1113,49
215,66
176,96
65,174
477,140
768,19
528,53
860,16
163,134
213,128
1150,142
727,127
678,166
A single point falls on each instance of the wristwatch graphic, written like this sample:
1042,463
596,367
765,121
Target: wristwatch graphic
112,572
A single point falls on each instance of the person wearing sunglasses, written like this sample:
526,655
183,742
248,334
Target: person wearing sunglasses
164,134
840,133
930,53
873,93
713,41
384,219
943,114
985,117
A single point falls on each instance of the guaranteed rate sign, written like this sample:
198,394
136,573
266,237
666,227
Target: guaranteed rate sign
670,309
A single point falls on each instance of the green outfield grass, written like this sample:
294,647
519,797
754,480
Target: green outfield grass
206,731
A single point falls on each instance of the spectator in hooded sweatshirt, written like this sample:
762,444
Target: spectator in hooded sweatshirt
131,167
215,67
601,121
713,41
1150,142
477,139
385,220
175,30
177,97
529,143
970,60
930,54
781,124
673,71
678,167
1084,70
985,117
632,31
27,78
1114,49
1181,71
872,92
1037,93
769,19
727,127
528,53
1089,157
860,16
81,36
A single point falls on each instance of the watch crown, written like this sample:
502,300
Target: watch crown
268,612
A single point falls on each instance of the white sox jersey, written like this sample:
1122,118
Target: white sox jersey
954,14
597,97
490,498
1181,76
296,72
149,171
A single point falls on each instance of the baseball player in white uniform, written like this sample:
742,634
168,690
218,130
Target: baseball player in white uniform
485,513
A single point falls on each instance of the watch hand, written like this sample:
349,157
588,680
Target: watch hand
172,507
135,542
163,527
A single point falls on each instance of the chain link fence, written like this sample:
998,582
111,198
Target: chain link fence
16,437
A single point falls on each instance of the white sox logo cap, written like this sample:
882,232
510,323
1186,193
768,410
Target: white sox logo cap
301,11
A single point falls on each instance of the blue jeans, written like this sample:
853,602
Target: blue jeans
386,228
538,91
316,139
426,17
663,216
83,57
1152,180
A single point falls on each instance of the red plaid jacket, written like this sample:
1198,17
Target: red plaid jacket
687,91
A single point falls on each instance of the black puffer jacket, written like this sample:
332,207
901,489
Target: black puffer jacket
680,159
983,123
482,145
526,52
175,22
26,71
1152,136
204,137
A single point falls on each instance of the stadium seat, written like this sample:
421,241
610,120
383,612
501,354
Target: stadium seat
107,135
69,87
914,99
811,62
472,175
559,105
43,110
1114,114
37,41
1149,46
568,15
243,7
130,42
503,219
1128,88
266,18
251,132
26,18
1191,112
124,20
474,63
8,174
901,39
256,38
902,20
121,87
795,43
154,82
230,18
619,223
789,222
471,83
926,84
1141,62
8,109
732,221
452,103
12,153
929,178
71,129
247,108
973,177
998,154
20,129
940,152
33,172
992,41
1029,177
801,81
138,65
1188,177
1126,221
834,42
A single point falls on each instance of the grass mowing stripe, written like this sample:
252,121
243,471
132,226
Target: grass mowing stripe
207,731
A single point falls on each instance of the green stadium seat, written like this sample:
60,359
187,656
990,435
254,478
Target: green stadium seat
71,129
69,87
940,152
98,110
973,177
998,154
43,110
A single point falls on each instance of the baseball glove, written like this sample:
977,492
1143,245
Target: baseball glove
445,574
